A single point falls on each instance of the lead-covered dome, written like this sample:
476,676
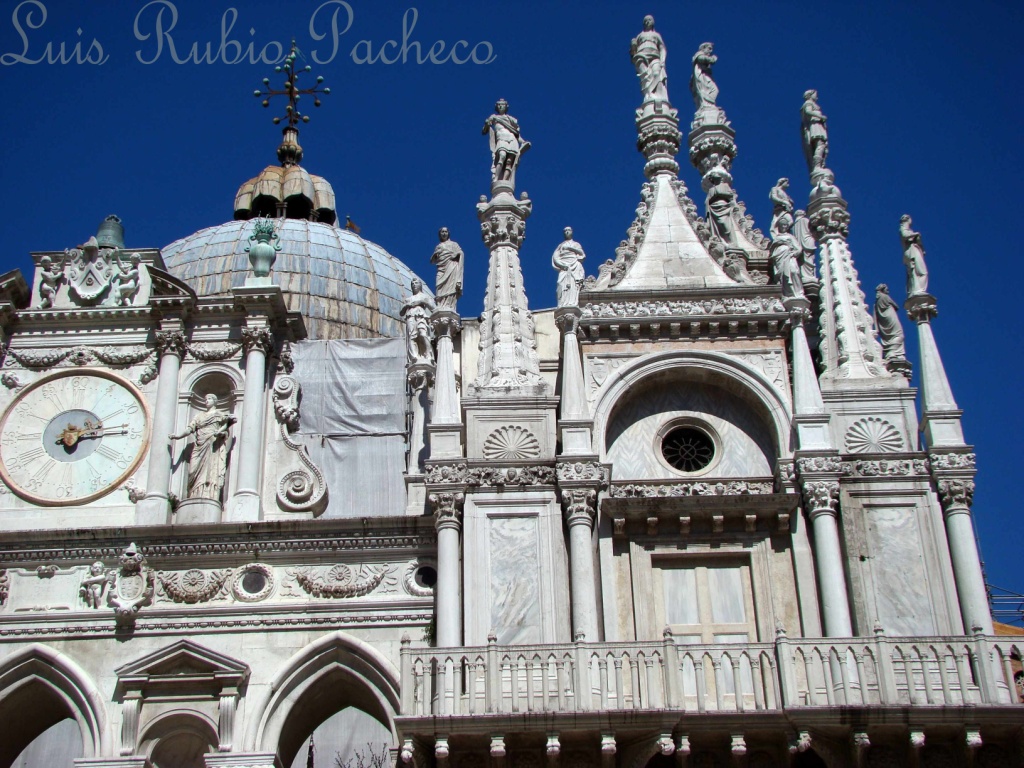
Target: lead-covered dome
344,286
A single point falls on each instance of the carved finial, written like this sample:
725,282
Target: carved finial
290,153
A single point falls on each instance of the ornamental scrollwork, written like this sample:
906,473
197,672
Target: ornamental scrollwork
303,489
193,585
952,460
956,493
341,581
286,402
821,496
674,490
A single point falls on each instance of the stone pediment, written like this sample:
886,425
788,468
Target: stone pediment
182,662
166,285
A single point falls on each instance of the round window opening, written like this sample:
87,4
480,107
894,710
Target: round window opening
253,582
426,577
688,449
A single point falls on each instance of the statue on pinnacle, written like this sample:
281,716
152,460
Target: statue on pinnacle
913,258
648,53
702,84
447,257
815,134
507,145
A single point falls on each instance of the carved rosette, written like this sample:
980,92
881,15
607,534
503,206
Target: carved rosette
956,494
258,338
821,497
447,508
170,343
580,505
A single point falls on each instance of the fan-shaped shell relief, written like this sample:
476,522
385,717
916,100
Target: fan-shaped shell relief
510,444
873,435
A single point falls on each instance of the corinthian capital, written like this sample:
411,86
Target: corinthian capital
170,343
956,494
447,507
258,337
821,496
580,505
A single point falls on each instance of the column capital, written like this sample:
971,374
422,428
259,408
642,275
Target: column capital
445,322
921,307
956,494
420,376
821,497
259,336
799,308
170,343
447,509
580,506
568,320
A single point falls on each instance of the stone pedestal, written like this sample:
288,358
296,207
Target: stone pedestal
192,511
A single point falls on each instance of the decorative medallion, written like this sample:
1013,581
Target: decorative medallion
873,435
420,577
511,443
253,582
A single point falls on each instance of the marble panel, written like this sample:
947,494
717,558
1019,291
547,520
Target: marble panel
515,580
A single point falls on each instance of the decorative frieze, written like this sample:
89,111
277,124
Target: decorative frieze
754,305
819,464
458,474
947,461
582,471
696,488
886,467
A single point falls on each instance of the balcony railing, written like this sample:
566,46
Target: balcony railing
579,677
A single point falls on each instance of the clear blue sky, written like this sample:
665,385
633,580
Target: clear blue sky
924,116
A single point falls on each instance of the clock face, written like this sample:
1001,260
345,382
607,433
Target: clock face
72,437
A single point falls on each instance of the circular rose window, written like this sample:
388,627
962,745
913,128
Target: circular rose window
688,449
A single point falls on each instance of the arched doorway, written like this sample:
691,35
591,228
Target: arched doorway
347,739
56,747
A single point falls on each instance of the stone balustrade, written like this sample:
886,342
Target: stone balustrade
656,675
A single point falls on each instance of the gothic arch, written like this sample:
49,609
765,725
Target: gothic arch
727,371
333,672
41,686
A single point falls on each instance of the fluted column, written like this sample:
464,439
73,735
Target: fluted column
448,594
257,341
580,508
822,499
155,507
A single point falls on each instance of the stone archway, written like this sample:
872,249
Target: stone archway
329,676
39,688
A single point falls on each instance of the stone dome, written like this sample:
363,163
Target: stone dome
342,285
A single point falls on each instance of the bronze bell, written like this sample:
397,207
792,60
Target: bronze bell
111,233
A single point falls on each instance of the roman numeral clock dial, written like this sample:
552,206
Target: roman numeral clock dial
73,437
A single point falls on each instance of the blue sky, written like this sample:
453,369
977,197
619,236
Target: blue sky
922,101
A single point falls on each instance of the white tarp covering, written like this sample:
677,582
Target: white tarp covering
353,420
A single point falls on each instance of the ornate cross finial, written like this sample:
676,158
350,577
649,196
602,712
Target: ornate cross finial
290,153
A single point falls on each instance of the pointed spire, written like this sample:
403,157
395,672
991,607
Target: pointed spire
850,348
508,347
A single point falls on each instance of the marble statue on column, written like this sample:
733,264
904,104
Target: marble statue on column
802,231
815,134
913,258
416,311
781,201
887,320
568,260
702,84
648,53
207,466
447,257
507,144
785,254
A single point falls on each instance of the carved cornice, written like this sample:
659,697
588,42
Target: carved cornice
253,338
956,494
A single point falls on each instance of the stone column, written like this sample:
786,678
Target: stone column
445,417
580,506
940,416
447,508
809,415
155,507
420,377
822,499
956,496
257,341
575,426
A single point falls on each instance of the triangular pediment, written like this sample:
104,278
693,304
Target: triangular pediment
184,659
